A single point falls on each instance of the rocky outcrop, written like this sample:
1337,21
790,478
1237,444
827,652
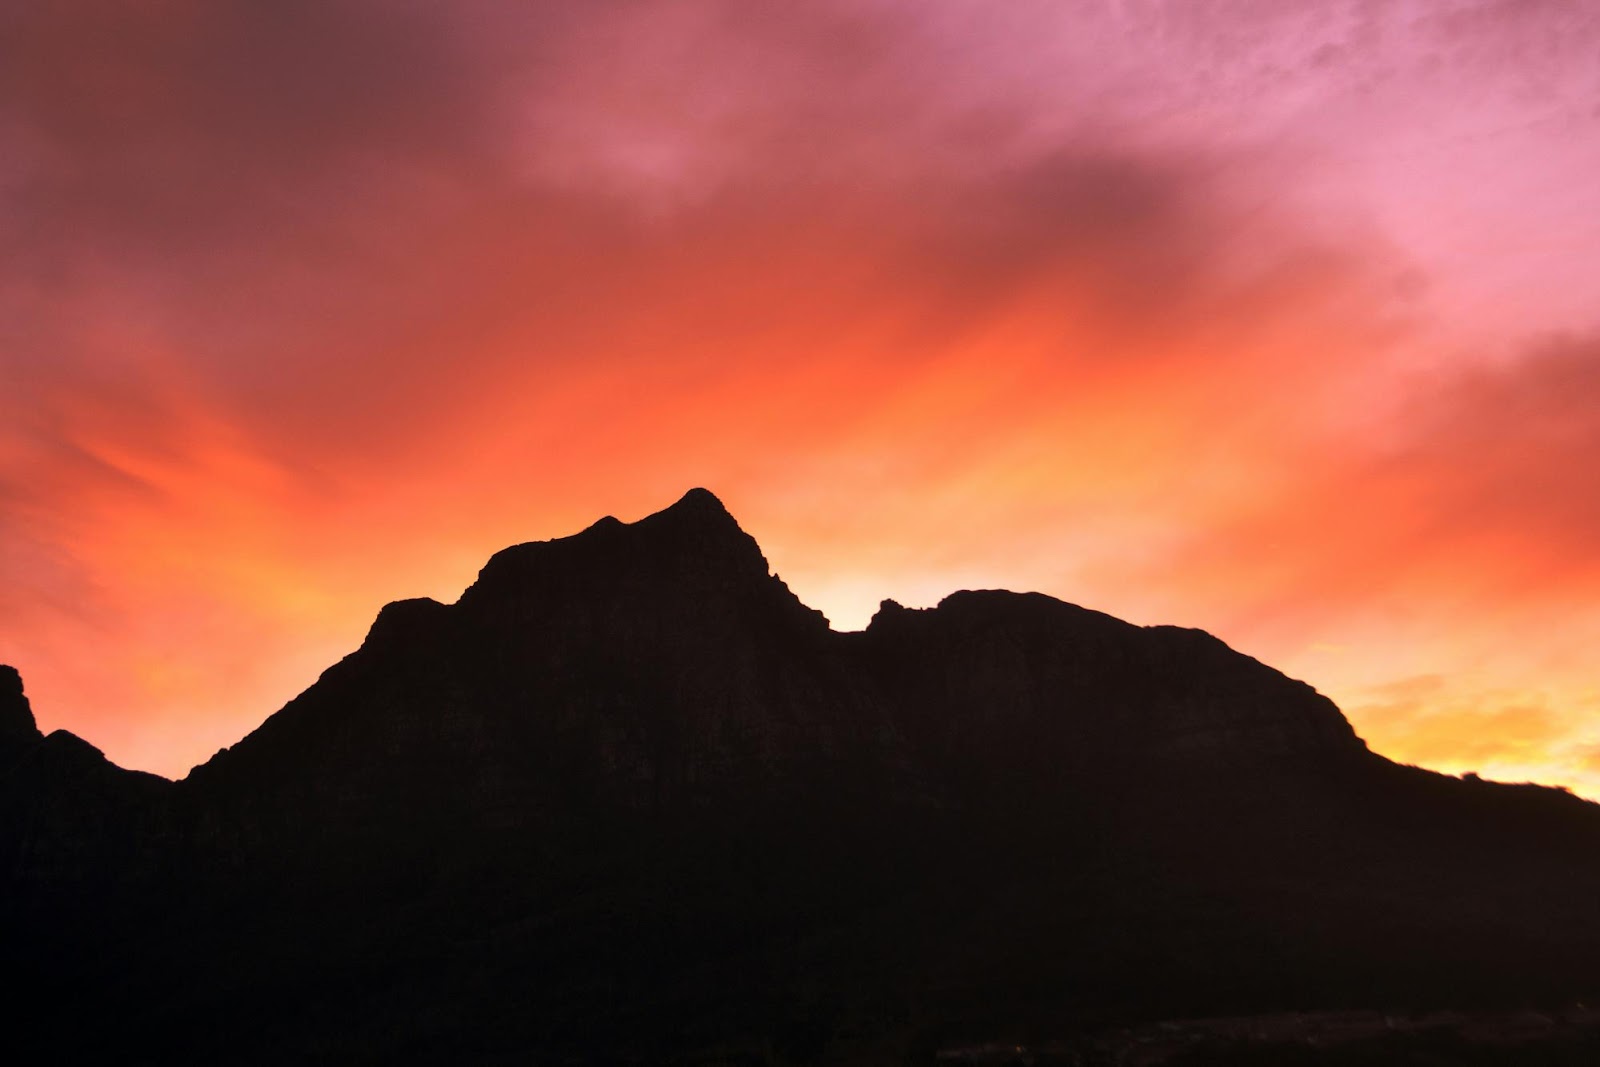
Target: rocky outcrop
18,731
72,823
1014,677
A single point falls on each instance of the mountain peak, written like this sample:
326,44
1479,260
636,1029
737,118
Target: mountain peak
700,499
692,551
700,510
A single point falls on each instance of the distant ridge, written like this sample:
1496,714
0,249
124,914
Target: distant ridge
628,800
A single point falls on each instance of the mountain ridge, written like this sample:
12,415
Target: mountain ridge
629,778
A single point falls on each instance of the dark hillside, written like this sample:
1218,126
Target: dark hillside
629,800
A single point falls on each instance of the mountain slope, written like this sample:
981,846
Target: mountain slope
629,798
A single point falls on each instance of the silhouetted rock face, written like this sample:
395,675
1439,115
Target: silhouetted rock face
70,820
1009,677
656,666
17,728
691,563
641,667
629,797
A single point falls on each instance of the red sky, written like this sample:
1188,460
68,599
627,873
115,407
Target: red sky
1273,317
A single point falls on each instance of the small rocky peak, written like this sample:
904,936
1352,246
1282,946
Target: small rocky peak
17,726
404,619
889,612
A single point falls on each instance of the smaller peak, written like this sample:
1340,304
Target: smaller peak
16,714
963,599
1030,608
402,617
887,610
69,744
413,606
10,682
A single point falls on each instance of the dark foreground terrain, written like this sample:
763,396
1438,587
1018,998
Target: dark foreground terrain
629,801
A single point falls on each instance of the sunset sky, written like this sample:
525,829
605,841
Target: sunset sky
1280,318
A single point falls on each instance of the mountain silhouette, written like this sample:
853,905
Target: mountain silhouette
629,800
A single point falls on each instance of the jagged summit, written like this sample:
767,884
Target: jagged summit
699,501
698,523
690,567
696,506
695,538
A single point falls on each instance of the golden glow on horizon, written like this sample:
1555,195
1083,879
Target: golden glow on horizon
931,301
